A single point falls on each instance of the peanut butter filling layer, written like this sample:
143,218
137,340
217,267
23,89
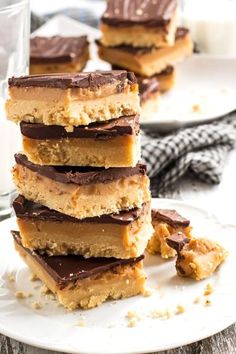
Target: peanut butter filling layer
116,152
89,239
147,61
121,281
82,201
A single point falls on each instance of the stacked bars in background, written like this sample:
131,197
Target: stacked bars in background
84,206
142,36
58,54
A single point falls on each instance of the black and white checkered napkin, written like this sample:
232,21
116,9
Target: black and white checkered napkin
199,151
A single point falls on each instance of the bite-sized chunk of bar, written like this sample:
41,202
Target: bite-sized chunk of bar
82,192
139,23
111,144
58,54
148,61
165,223
122,235
196,258
79,282
72,99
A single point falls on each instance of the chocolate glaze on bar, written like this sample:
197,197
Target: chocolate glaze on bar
26,209
81,175
170,217
177,241
181,32
57,49
99,131
138,12
67,269
91,80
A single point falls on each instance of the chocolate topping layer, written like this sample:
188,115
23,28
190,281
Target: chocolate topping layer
26,209
181,32
67,269
56,49
177,241
81,175
150,13
170,217
92,80
101,131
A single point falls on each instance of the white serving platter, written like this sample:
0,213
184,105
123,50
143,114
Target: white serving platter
106,328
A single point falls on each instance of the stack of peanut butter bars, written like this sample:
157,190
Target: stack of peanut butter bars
83,208
142,36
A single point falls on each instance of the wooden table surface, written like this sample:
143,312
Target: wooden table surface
214,198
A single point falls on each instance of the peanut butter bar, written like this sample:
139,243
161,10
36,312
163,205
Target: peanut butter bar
165,223
111,144
72,99
196,258
122,235
165,79
79,282
149,92
58,54
82,192
148,61
139,23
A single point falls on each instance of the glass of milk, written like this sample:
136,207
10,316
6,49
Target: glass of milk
14,61
212,24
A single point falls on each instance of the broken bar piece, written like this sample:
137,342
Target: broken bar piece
72,99
79,282
165,223
58,54
139,23
111,144
196,258
122,235
82,191
148,61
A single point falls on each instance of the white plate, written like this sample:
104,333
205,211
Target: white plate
202,80
106,330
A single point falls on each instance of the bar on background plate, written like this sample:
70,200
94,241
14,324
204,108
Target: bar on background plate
82,191
111,144
123,235
165,78
139,23
148,61
58,54
79,282
72,99
149,92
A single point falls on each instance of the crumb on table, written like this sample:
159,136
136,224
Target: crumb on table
179,309
22,294
36,305
196,108
208,290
